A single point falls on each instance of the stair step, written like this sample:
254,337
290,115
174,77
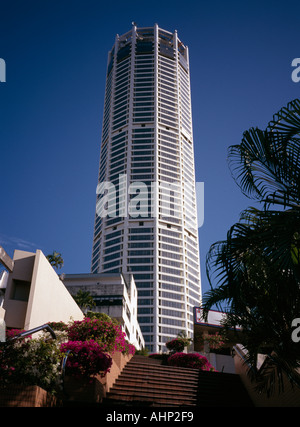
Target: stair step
144,381
160,376
145,359
151,402
167,372
213,389
157,371
134,388
144,403
166,368
154,397
128,382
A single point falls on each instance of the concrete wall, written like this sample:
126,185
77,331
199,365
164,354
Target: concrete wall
48,299
119,361
3,285
15,306
222,363
290,397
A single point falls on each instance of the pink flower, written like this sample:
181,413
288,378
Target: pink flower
86,357
190,360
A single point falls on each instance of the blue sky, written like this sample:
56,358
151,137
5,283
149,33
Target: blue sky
51,106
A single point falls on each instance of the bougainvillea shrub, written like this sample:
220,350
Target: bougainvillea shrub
86,358
175,345
214,341
190,360
108,334
88,345
30,362
178,344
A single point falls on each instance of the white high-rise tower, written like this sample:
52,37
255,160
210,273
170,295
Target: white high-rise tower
146,214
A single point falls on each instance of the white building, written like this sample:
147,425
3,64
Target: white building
114,295
34,294
146,214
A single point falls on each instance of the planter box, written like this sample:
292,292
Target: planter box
91,391
83,390
119,361
26,396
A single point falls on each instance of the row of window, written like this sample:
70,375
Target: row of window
162,321
107,104
142,83
174,252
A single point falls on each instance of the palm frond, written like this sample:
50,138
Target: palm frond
266,163
256,269
274,375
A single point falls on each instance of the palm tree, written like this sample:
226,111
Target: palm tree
55,259
257,267
84,300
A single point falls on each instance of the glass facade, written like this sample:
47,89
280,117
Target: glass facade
145,221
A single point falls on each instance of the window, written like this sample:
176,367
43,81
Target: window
21,290
145,319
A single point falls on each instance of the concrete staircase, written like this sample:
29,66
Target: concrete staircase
217,389
146,382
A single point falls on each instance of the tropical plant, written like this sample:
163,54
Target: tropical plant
55,259
86,358
182,336
214,341
101,316
143,352
108,334
31,362
175,345
257,268
81,347
190,360
58,326
84,300
179,343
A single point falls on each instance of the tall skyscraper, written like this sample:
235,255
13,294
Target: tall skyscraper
146,214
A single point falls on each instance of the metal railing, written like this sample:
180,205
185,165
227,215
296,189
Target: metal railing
33,331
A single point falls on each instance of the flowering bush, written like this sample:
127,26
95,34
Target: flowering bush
129,348
175,345
31,362
108,334
11,333
214,341
60,329
86,358
58,326
178,344
89,342
190,360
38,361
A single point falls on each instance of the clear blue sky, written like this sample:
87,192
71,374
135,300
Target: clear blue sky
51,106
